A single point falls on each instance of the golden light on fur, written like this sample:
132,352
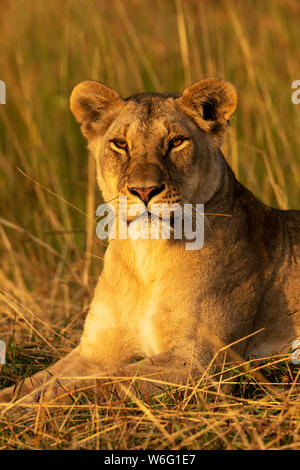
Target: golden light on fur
173,309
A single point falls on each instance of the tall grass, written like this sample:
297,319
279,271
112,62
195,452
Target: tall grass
50,258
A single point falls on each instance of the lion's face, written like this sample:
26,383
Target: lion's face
156,148
152,144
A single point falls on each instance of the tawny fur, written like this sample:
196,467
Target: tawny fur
159,309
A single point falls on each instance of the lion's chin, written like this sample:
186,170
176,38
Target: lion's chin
149,217
139,218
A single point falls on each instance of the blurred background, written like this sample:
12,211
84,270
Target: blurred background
50,256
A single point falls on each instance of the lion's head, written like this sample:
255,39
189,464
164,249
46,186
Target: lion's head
156,147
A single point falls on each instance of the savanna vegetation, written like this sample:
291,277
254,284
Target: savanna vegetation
50,256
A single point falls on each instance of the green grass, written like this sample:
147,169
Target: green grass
46,276
259,413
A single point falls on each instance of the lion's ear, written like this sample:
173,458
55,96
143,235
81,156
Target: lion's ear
92,103
211,103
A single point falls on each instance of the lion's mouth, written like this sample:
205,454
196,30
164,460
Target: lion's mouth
145,216
150,225
150,217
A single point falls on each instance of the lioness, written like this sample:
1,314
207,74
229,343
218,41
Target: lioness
162,312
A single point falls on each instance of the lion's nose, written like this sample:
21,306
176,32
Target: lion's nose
145,194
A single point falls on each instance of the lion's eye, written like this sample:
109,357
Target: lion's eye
121,144
176,142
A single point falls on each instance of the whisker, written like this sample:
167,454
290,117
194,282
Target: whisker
194,210
207,213
107,202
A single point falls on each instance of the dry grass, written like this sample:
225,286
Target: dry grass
50,258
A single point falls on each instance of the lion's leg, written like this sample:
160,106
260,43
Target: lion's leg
149,376
155,374
75,372
49,383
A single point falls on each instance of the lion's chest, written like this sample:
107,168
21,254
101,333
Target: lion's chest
166,321
168,294
147,330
